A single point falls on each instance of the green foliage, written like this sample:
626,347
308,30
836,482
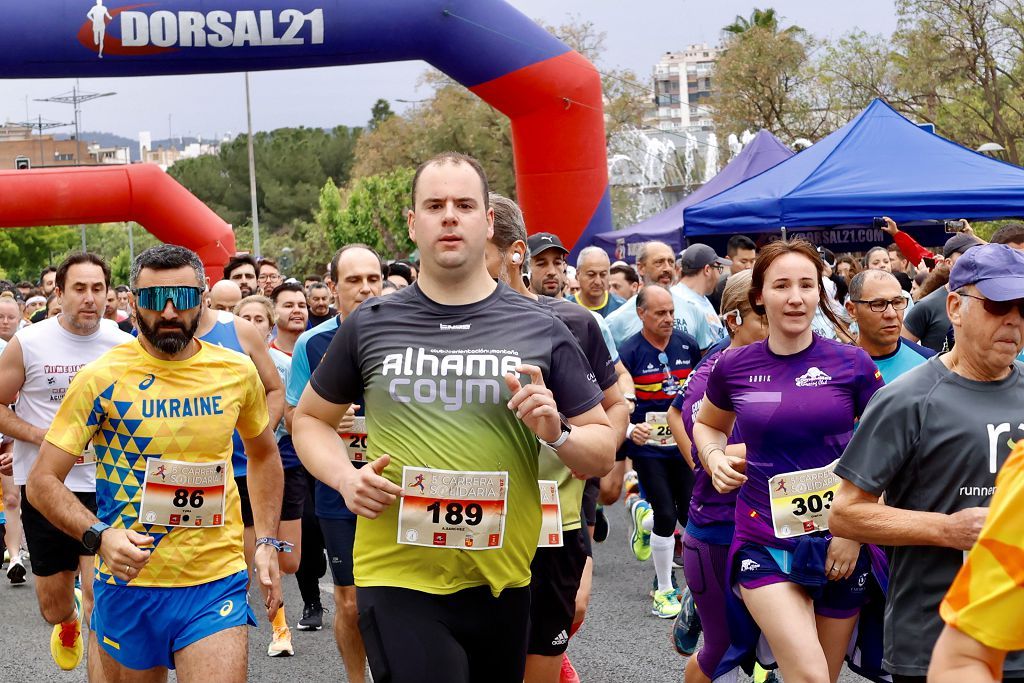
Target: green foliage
24,252
291,166
380,113
373,212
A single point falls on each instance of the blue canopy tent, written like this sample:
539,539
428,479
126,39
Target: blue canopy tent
760,154
878,164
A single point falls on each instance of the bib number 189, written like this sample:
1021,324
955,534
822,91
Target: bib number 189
455,513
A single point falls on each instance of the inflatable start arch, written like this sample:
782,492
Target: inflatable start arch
551,94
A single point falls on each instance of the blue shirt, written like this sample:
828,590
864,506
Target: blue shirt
657,377
224,335
309,351
612,302
700,320
907,356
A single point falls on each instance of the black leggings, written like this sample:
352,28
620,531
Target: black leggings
667,483
313,564
465,637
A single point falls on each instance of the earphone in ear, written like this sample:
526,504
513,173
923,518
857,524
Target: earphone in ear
517,257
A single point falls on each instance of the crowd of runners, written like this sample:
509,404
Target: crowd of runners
814,440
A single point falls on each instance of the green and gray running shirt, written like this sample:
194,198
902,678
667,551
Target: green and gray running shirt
432,379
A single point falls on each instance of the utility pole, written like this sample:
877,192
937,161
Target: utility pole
40,125
252,175
76,98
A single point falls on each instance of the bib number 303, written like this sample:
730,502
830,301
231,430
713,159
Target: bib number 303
802,501
449,509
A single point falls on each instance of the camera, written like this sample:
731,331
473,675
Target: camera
878,223
955,226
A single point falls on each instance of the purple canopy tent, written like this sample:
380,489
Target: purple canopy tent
762,153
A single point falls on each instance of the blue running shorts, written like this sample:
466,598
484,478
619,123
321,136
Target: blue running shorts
143,627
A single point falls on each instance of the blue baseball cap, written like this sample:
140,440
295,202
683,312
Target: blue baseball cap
995,269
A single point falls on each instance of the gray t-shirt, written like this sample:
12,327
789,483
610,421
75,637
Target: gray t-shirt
928,321
932,441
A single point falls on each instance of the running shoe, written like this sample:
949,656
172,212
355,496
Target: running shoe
631,483
568,673
16,572
654,585
601,526
666,604
66,640
640,540
281,645
687,627
312,617
763,675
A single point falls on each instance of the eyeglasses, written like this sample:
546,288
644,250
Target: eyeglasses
879,305
998,308
269,278
156,298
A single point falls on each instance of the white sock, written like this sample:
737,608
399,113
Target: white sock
661,551
647,523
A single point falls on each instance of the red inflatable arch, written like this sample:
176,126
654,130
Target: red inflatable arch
142,193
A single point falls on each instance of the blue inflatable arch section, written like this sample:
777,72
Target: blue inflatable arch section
551,94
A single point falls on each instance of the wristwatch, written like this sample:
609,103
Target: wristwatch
562,438
91,537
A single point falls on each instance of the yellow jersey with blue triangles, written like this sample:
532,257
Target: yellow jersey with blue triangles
134,408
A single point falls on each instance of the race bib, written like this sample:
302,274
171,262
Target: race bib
447,509
88,456
551,515
185,494
801,501
355,441
661,435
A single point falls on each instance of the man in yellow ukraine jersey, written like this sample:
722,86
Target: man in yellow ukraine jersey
170,580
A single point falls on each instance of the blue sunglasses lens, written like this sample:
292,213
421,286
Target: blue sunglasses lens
156,298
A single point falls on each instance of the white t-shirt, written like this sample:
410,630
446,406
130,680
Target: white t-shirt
53,356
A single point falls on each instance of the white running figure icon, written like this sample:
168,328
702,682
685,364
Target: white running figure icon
97,15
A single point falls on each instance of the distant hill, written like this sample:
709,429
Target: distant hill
114,140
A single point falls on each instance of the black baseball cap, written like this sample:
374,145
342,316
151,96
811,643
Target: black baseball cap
696,256
543,241
959,243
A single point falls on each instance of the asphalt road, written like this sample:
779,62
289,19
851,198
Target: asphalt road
620,642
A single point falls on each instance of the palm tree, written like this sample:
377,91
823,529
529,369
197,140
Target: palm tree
767,19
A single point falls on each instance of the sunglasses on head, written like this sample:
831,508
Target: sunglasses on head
156,298
998,308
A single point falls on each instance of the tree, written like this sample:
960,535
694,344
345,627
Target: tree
291,166
768,79
766,19
372,211
380,113
453,118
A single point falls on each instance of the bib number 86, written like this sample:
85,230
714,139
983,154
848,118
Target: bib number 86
183,499
814,503
455,513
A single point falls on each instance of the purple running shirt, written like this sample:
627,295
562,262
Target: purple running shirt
797,412
707,505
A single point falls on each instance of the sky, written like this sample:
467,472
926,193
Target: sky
214,105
